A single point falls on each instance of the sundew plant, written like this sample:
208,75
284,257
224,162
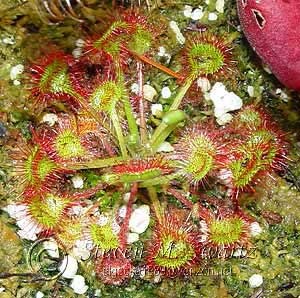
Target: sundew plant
133,150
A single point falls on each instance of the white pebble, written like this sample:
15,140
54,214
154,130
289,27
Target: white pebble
224,119
52,248
223,100
122,211
77,181
156,109
68,267
82,248
149,92
115,227
250,90
255,281
204,84
77,52
212,16
187,12
16,210
50,118
16,82
15,71
135,88
165,147
103,220
180,38
140,219
78,284
161,51
79,43
2,289
220,6
166,92
197,14
8,40
39,294
255,229
132,237
126,197
157,278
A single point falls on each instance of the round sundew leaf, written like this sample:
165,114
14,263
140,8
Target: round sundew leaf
140,41
104,237
60,83
107,95
48,210
68,145
205,59
256,155
226,231
201,158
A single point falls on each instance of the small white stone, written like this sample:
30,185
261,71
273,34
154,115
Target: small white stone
224,119
8,40
39,294
157,278
220,6
103,220
204,84
283,96
16,210
122,211
2,289
250,90
77,210
156,109
140,219
77,181
212,16
161,51
255,229
267,69
115,228
135,88
52,248
278,91
149,92
77,52
197,14
15,71
255,281
82,248
78,284
165,147
29,229
50,118
68,267
28,236
179,36
223,100
132,237
16,82
126,197
187,12
79,43
166,92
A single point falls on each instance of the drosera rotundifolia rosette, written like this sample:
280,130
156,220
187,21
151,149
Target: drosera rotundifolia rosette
105,130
